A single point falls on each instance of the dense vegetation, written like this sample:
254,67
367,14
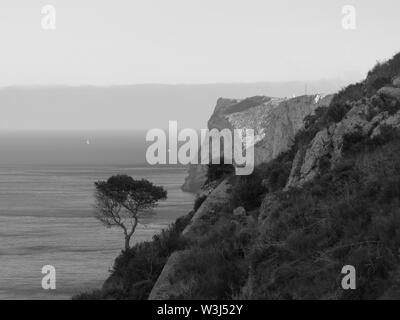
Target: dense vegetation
247,104
249,191
296,247
218,171
349,215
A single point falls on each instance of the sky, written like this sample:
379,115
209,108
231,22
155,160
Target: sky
112,42
210,45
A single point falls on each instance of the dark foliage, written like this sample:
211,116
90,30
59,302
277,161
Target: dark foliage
348,215
121,201
248,191
382,74
353,92
138,268
215,267
247,104
219,171
199,201
119,187
357,142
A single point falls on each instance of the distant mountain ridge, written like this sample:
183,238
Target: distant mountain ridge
130,107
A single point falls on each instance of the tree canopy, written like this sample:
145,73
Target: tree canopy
122,200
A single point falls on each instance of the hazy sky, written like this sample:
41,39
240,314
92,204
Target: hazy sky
103,42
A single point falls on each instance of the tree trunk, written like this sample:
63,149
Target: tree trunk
127,240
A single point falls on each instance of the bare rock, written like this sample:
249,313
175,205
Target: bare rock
239,211
168,285
268,206
328,143
392,121
305,164
388,93
396,82
216,201
197,176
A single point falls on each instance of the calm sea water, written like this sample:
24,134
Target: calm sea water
46,210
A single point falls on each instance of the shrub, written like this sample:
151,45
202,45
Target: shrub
198,202
382,74
357,142
216,268
353,92
248,191
387,134
247,104
352,141
313,120
391,107
89,295
219,171
336,112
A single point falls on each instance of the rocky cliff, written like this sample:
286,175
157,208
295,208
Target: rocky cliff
275,122
364,120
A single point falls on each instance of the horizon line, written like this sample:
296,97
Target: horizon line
66,85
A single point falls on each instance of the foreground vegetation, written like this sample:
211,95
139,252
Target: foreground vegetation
136,270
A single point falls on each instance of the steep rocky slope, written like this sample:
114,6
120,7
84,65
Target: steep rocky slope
365,119
169,285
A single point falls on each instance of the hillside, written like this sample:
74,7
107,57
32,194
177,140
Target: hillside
285,232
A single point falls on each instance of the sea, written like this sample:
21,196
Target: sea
46,207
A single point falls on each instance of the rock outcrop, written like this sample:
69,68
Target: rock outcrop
396,82
275,122
216,201
195,179
365,118
168,286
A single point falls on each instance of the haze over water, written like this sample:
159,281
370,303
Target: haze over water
46,207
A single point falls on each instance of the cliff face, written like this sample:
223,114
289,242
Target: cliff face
195,179
275,122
